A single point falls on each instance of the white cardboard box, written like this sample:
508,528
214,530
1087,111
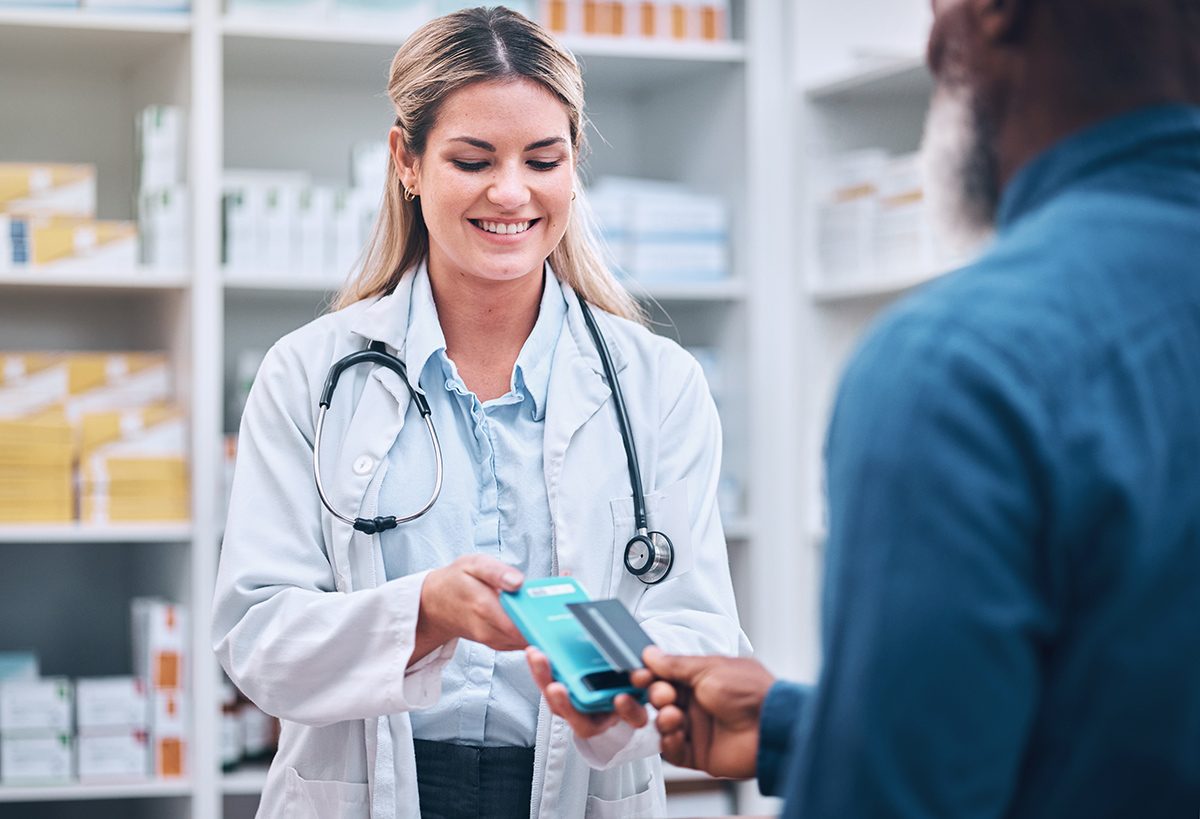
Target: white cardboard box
37,760
110,705
123,757
29,707
159,642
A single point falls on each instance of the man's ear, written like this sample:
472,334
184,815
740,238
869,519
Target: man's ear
1003,21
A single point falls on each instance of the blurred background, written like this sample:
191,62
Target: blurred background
184,181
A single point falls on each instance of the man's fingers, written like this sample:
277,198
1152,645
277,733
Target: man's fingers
539,666
674,749
670,720
677,667
662,693
641,677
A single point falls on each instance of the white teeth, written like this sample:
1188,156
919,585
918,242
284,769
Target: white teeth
505,229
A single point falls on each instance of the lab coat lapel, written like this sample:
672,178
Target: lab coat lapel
375,420
576,392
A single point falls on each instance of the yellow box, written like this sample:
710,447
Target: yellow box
100,427
41,189
107,509
53,511
49,490
62,242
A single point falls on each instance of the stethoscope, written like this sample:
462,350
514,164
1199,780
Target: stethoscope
648,555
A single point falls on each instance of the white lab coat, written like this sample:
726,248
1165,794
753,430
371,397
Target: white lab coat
307,627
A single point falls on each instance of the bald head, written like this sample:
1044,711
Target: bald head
1016,76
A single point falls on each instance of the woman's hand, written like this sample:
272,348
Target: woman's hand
585,725
463,600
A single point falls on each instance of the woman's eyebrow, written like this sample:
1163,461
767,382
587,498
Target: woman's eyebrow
478,143
545,143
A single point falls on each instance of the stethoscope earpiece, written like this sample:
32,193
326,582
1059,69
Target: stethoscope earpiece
649,557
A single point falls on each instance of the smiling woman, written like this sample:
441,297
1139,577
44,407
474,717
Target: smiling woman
383,645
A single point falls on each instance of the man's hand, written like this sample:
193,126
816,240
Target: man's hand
585,725
708,709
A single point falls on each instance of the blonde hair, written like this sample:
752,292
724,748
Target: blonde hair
441,57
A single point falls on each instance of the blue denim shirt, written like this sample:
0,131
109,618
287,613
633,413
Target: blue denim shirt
1012,601
493,502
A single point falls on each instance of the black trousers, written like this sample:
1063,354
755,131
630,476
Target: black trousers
466,782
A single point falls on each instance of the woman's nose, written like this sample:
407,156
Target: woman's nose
508,190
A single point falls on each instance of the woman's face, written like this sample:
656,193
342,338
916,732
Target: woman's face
495,180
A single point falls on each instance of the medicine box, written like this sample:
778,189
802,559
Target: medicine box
67,245
18,665
169,732
111,705
37,760
159,642
36,707
47,189
113,758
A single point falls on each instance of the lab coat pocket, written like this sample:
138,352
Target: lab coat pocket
325,799
667,511
644,803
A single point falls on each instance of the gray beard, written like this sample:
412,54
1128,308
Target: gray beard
958,161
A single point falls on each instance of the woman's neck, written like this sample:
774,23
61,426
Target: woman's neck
485,324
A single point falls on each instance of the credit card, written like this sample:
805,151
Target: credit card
614,631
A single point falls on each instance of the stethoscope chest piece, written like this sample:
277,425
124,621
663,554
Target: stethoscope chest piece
649,556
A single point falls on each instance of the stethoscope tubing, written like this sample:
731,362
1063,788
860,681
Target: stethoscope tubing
376,354
641,521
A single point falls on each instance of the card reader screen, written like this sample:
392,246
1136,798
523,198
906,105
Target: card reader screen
603,680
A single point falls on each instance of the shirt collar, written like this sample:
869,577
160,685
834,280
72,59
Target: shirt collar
425,338
1090,151
533,362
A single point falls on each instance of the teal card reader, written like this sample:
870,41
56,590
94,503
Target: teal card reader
542,611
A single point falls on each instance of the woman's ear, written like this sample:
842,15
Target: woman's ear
405,162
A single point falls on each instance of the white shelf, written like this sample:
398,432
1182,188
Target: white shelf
339,53
248,781
279,282
93,533
60,793
728,290
73,40
132,280
878,80
884,287
164,23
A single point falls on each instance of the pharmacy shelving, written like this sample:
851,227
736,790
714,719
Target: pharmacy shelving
33,533
708,116
92,793
871,90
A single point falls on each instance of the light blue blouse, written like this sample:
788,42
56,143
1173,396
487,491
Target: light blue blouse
493,502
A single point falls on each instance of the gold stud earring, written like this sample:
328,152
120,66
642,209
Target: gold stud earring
572,196
409,195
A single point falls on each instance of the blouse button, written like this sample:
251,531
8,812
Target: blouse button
362,465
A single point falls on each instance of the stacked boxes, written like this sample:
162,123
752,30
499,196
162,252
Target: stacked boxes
697,20
279,223
93,436
871,220
142,475
100,730
162,198
160,658
111,715
36,737
661,233
48,224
